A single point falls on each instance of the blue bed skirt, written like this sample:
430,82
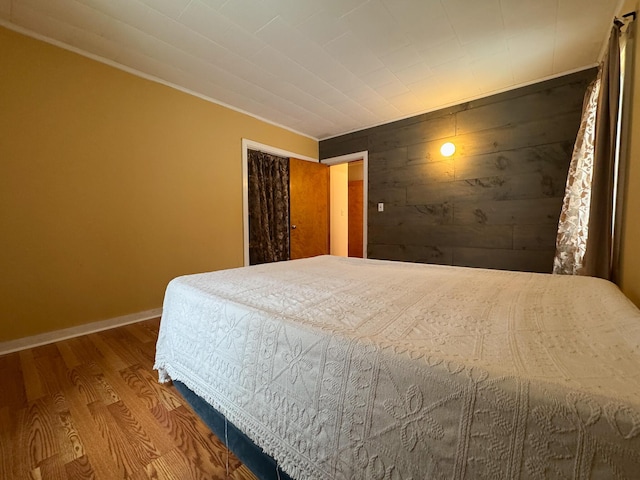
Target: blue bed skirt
262,465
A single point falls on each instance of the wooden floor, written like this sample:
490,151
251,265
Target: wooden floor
91,407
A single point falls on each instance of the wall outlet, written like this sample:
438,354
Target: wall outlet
381,207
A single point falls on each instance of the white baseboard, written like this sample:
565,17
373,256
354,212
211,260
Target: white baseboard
58,335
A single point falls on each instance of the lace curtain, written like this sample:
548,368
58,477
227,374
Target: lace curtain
268,208
571,242
584,241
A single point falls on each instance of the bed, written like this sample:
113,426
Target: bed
342,368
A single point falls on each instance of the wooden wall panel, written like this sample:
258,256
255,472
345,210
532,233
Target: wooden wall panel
496,202
482,236
398,174
563,99
400,214
498,188
538,211
412,253
503,259
534,237
428,129
548,159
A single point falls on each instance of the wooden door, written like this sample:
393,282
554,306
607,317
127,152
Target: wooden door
355,218
309,208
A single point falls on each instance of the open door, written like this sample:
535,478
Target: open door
309,208
355,218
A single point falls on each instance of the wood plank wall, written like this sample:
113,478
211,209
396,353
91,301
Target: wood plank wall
496,202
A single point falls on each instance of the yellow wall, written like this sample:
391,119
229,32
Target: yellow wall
110,185
630,254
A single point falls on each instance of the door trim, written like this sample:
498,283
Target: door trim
352,157
252,145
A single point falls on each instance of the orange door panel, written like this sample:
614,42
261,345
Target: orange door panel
309,210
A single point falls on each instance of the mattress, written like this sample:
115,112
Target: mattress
343,368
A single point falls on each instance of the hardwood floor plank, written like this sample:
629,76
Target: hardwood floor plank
164,393
96,448
35,474
109,395
116,360
43,441
80,391
80,469
141,333
60,402
135,433
151,326
53,468
30,375
13,395
143,475
128,347
84,350
172,465
131,450
90,382
69,437
6,430
140,387
67,354
35,437
148,349
117,449
50,368
48,350
91,408
199,448
160,437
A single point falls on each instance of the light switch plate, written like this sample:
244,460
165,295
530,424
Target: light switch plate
381,207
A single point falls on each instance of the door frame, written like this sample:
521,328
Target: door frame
261,147
354,157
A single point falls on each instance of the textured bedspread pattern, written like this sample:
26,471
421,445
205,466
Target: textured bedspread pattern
364,369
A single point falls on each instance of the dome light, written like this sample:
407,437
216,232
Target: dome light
447,149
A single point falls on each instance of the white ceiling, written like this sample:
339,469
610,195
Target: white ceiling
327,67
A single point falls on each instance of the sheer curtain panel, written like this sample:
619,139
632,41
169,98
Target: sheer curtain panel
584,241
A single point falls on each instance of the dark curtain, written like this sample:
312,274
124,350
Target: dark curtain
598,254
268,208
627,58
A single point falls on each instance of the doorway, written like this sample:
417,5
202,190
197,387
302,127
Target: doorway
348,204
356,209
300,162
344,159
288,208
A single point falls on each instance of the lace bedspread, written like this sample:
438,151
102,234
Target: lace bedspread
365,369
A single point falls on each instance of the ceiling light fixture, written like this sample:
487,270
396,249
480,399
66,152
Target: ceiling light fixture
447,149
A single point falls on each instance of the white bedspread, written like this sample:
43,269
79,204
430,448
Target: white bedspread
365,369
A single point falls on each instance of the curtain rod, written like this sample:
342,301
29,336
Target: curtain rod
630,14
620,22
